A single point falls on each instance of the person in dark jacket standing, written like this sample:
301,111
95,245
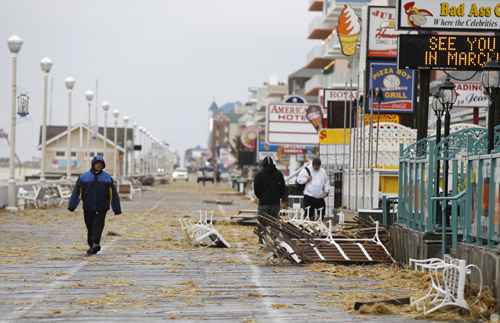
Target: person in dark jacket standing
270,188
97,191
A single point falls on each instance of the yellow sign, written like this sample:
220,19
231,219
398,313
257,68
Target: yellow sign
383,118
334,136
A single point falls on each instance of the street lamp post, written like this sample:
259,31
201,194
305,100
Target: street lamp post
105,107
438,111
134,162
147,152
89,95
380,98
116,114
46,65
125,145
70,84
447,98
144,149
491,83
15,43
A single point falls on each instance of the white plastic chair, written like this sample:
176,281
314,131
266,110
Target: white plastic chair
448,276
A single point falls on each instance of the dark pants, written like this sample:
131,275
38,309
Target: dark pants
272,210
95,225
314,204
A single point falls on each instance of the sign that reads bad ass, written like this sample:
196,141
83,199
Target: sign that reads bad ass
465,15
447,52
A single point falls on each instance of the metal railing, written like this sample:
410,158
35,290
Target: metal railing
471,212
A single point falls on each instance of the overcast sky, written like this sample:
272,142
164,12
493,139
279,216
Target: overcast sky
159,61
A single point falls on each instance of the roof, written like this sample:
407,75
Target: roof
213,107
56,132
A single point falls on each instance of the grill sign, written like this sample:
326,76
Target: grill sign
447,52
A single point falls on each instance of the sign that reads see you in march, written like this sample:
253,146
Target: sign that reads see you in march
447,52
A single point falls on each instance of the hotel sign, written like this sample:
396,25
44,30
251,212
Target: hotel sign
464,15
448,52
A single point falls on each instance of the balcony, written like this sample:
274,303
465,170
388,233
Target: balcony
273,91
315,5
320,28
318,58
315,84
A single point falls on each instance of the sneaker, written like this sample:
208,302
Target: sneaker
95,248
89,252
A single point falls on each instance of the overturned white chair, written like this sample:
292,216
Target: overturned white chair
203,232
448,276
30,198
65,191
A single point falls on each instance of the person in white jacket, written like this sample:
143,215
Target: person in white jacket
317,187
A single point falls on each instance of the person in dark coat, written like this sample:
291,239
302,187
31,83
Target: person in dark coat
97,191
270,188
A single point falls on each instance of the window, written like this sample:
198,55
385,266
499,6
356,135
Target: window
60,154
73,154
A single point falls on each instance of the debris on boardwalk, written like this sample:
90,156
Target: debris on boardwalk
303,241
218,202
203,232
245,217
360,228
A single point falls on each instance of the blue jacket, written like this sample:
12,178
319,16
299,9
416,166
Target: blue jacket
97,191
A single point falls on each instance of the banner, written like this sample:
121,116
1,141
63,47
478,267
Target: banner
470,95
394,118
249,137
334,136
382,35
449,15
397,85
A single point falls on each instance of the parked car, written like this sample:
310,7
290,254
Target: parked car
206,174
180,174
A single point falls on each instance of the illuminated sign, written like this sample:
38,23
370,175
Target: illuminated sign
447,52
470,15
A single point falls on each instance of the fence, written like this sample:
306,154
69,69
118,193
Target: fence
473,201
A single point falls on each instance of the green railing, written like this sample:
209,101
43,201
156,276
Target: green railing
474,187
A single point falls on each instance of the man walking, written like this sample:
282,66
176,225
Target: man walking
270,188
317,187
97,191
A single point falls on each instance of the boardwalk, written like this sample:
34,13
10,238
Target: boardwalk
146,273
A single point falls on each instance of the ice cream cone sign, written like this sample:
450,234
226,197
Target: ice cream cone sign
416,17
348,30
315,116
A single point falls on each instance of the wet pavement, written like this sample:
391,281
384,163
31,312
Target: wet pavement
147,273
